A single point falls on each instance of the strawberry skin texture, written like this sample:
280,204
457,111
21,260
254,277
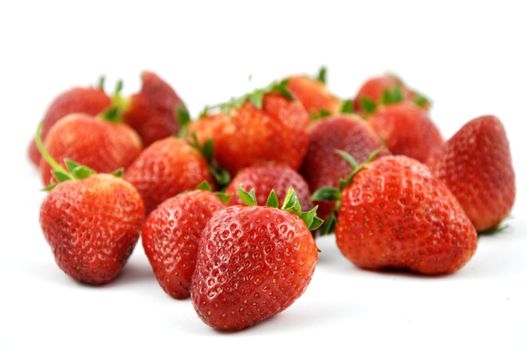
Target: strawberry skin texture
153,111
166,168
323,166
171,236
91,101
313,95
396,215
373,89
476,166
98,144
266,177
92,226
253,262
407,130
249,136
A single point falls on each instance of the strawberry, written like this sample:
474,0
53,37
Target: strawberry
253,262
89,100
406,129
171,235
98,143
264,126
313,95
476,166
323,166
383,90
395,214
91,221
165,168
265,177
153,111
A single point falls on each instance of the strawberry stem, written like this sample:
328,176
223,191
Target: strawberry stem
44,152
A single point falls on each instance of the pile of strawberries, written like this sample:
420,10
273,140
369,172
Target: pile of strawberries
394,193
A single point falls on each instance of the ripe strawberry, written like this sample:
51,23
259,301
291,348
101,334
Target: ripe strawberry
153,112
407,130
91,221
395,214
90,100
323,166
264,126
266,177
313,95
171,235
476,166
166,168
253,262
98,143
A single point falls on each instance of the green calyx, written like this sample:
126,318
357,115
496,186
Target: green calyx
120,104
347,106
73,170
291,204
255,98
332,194
368,105
321,114
221,176
183,120
421,101
206,186
392,96
322,75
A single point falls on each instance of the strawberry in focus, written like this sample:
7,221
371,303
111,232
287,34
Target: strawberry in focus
166,168
171,235
323,165
97,143
266,177
394,214
91,221
253,262
476,166
407,130
88,100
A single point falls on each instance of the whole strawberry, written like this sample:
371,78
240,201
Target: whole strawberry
91,222
264,126
394,214
407,130
88,100
153,112
313,95
323,165
253,262
476,166
98,143
171,236
166,168
385,90
266,177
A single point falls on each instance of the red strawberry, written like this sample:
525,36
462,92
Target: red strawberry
407,130
154,110
313,95
386,89
323,166
97,143
266,177
92,101
253,262
395,214
166,168
171,235
476,166
264,126
91,221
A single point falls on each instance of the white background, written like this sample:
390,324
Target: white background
470,58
